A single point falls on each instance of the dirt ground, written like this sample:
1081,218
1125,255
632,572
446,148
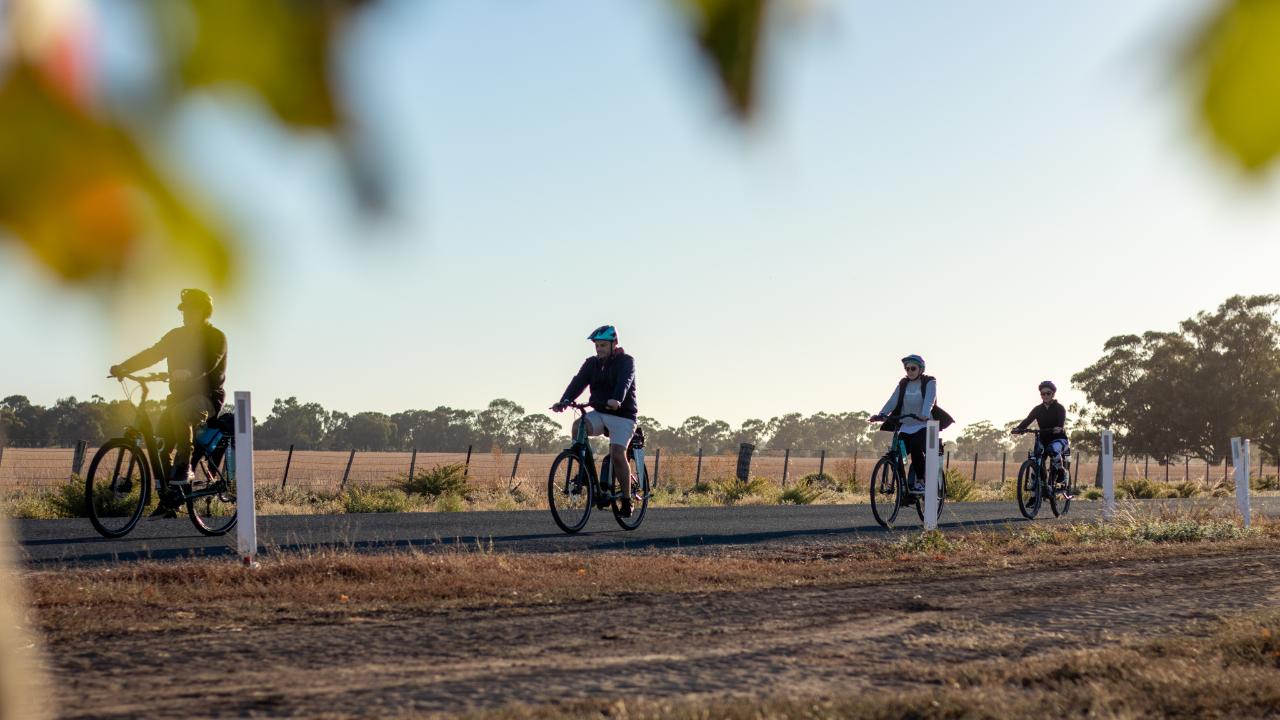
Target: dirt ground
903,631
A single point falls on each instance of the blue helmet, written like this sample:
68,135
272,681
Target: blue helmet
604,332
915,359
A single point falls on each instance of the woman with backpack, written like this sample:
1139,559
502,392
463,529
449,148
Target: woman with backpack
910,407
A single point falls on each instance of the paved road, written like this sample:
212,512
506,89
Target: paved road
43,542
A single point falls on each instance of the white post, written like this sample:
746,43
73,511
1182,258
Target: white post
246,512
933,479
1108,476
1240,457
639,456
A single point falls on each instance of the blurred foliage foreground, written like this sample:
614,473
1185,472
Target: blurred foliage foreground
84,188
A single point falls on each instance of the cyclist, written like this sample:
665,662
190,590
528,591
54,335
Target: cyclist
611,375
197,358
1051,418
913,401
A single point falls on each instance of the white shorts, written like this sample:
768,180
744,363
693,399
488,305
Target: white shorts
620,429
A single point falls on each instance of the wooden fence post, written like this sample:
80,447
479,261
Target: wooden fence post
1166,470
1004,463
657,462
466,469
822,463
347,473
855,466
1146,468
697,478
975,467
77,459
287,462
516,464
786,461
1,455
1186,468
948,460
413,463
1124,469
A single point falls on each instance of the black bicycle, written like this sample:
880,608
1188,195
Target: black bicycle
118,488
1038,479
889,490
574,487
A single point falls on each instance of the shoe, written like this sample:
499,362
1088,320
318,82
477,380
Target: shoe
627,509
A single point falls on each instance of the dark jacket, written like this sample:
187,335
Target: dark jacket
200,350
610,379
1048,418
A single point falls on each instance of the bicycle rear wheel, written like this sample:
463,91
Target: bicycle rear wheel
1029,496
886,492
942,497
117,488
1060,498
211,502
569,492
638,507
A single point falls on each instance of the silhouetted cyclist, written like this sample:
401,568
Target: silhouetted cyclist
197,357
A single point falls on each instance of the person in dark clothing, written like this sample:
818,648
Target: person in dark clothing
1051,419
197,359
611,376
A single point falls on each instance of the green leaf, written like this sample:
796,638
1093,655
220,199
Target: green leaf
729,33
1238,58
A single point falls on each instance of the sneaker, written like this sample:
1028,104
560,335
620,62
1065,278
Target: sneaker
627,509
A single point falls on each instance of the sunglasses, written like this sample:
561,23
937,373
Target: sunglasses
911,368
1046,393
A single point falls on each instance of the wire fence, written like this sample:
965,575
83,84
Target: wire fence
328,471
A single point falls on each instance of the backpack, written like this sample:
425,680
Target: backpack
942,416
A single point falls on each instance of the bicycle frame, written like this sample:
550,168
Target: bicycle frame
143,434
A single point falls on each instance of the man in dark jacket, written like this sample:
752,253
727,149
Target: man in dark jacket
611,375
197,358
1051,419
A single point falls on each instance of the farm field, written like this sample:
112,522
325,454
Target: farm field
1069,620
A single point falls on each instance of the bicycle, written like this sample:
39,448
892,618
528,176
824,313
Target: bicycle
574,487
889,490
1033,485
116,501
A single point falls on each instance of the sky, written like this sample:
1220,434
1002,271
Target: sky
999,186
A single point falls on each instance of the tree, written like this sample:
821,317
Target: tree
364,431
537,433
497,423
292,423
983,438
1190,391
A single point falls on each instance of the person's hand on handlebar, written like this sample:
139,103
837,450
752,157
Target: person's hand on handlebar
116,372
559,407
613,404
876,418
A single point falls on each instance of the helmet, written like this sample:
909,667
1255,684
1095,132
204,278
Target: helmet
192,297
1048,384
604,332
915,359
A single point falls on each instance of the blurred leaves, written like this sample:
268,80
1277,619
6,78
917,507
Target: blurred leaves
1237,57
281,49
729,33
80,194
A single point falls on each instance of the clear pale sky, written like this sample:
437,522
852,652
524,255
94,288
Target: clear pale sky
998,186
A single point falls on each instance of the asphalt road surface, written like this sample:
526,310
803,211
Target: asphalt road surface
42,542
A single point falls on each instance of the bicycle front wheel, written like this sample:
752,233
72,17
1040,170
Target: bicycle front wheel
569,492
117,488
212,500
886,492
1029,489
638,505
1060,499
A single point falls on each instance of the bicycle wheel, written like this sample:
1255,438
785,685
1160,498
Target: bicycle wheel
569,492
942,497
1060,498
638,507
886,492
211,502
117,488
1029,489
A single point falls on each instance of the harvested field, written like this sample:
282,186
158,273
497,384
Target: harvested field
989,624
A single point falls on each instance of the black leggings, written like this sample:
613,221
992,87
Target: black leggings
915,443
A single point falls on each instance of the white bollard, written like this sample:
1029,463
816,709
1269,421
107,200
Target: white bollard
246,512
933,479
1240,457
1108,476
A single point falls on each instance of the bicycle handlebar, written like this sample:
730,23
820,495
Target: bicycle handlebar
143,379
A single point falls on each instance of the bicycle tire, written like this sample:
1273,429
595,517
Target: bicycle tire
1028,506
1060,498
886,503
112,514
568,485
211,519
637,511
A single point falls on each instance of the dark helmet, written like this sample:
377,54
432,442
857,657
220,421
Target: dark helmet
1048,384
604,332
191,297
